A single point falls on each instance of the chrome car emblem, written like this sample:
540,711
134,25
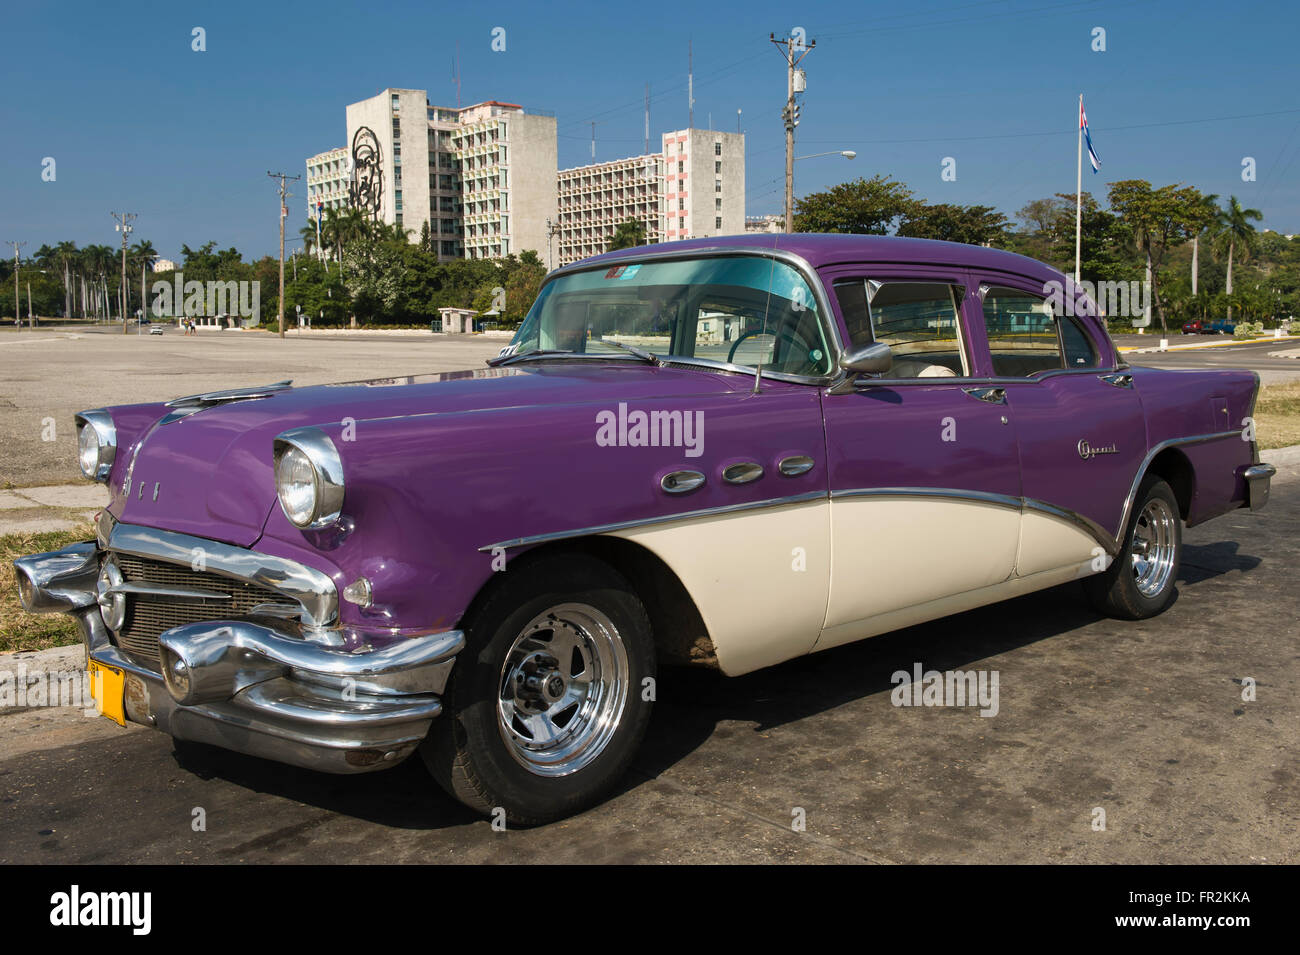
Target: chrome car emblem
1087,451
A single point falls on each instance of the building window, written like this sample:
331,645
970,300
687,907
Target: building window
396,103
717,222
717,205
717,167
681,223
681,166
717,149
681,147
717,185
681,203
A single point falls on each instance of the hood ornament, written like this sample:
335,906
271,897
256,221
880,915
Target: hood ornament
189,404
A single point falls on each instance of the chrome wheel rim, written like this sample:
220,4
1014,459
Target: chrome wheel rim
1154,544
563,689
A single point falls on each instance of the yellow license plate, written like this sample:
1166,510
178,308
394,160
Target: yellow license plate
107,686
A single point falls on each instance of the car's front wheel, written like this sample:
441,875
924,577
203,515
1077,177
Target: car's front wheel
551,696
1140,582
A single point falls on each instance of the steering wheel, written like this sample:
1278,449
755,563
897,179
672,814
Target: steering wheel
743,335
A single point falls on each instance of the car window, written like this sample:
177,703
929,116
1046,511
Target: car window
1079,350
917,320
1021,332
1025,336
746,310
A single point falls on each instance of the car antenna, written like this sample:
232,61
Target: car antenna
758,377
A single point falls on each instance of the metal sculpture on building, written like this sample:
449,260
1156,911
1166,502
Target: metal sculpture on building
366,189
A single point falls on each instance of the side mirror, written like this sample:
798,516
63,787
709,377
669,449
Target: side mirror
873,359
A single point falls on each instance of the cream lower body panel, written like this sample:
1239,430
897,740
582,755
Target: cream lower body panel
894,552
946,606
759,578
1048,543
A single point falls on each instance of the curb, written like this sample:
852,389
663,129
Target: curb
1228,344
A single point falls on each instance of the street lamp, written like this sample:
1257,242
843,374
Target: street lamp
846,153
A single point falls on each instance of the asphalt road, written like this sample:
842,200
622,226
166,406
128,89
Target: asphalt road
1145,721
1271,370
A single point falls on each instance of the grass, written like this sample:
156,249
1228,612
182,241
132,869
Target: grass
1277,415
20,630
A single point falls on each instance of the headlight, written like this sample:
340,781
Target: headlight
308,478
96,444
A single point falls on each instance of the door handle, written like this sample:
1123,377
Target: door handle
1119,379
994,396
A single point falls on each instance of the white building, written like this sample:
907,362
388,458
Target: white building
481,177
694,188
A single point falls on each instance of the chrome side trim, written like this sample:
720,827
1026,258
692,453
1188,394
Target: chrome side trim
231,394
649,521
311,588
1012,502
1151,455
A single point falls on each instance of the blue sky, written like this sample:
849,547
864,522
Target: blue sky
137,121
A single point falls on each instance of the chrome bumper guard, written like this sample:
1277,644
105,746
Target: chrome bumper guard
249,687
1258,479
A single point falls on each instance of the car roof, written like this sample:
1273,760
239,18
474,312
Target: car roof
821,249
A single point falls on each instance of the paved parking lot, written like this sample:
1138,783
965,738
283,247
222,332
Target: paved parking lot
1145,721
53,374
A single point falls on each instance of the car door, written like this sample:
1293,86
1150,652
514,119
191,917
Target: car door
1079,422
923,467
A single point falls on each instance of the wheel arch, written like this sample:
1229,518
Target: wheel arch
680,634
1175,469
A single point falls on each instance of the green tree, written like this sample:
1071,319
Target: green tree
1234,231
973,225
1159,219
627,235
872,206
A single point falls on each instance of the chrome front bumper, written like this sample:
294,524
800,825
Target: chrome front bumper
257,687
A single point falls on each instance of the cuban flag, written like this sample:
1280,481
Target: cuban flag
1092,153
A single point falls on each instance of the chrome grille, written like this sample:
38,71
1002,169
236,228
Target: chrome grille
148,616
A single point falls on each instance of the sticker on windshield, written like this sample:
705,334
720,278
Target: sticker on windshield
615,272
630,271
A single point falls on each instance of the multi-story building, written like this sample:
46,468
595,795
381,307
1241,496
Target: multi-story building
481,177
694,188
594,200
767,223
327,180
704,183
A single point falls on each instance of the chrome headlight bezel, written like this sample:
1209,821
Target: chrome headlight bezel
105,433
327,477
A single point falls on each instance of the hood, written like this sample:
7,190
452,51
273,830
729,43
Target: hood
209,473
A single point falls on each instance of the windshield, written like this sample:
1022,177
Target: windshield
746,310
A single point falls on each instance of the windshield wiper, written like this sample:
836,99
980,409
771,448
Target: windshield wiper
507,359
639,352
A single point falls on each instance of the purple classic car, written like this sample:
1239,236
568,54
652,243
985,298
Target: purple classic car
725,452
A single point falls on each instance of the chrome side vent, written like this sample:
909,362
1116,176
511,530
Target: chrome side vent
680,482
795,465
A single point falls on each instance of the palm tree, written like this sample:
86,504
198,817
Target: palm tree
1235,231
308,234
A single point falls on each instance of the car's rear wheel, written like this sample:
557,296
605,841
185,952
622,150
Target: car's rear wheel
1140,582
547,703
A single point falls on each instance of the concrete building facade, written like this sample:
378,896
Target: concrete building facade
694,188
481,177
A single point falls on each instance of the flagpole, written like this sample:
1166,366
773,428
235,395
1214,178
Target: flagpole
1078,196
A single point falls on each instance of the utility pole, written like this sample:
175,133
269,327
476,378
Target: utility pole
18,321
123,226
793,51
284,211
552,229
593,125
